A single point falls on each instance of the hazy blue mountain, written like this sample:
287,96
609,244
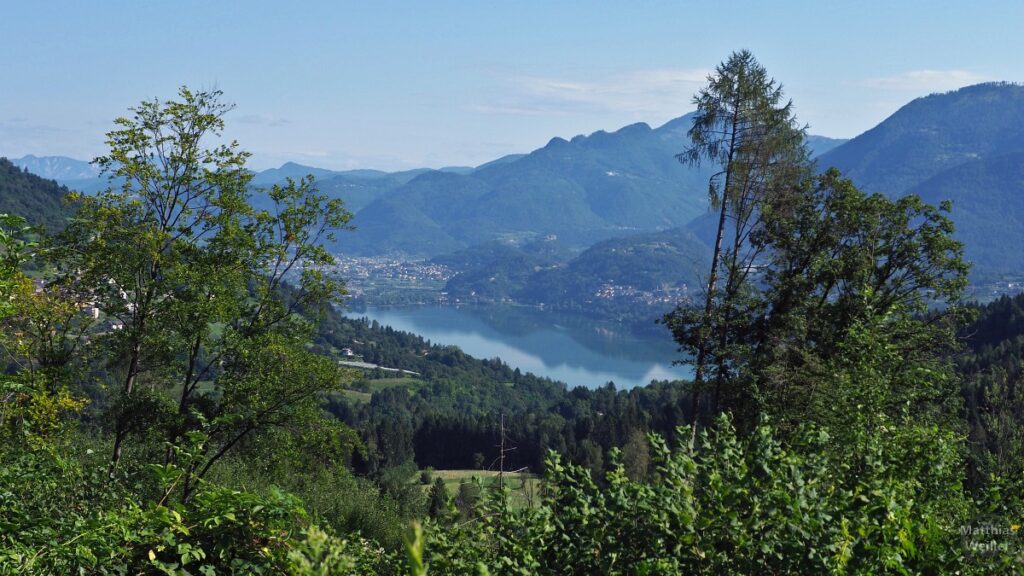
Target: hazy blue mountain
966,146
457,169
582,191
492,271
36,199
78,175
356,192
290,170
637,277
650,262
544,251
363,173
296,171
59,168
503,160
988,209
820,144
357,188
933,134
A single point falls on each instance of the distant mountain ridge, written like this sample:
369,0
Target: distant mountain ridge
59,168
819,145
583,190
295,171
932,134
291,170
967,146
988,210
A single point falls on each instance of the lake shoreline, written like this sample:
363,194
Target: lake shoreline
569,349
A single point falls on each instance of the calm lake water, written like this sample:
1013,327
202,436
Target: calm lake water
573,350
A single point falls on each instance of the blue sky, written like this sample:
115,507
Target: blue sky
394,85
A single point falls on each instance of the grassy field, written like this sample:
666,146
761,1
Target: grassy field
382,383
524,487
362,391
356,396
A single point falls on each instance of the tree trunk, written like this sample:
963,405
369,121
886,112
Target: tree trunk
120,429
709,303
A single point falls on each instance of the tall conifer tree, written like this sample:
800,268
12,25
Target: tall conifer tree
745,127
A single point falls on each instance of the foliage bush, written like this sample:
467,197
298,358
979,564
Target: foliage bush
71,518
732,505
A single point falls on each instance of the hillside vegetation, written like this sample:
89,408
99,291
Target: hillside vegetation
37,200
173,400
963,146
584,190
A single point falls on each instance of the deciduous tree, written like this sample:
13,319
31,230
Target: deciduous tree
201,294
846,272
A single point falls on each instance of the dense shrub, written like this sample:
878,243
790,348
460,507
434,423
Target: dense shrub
733,505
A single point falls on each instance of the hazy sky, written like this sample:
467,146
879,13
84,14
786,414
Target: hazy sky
389,85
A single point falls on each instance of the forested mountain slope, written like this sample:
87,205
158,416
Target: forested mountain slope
584,190
965,146
636,278
988,209
933,134
37,200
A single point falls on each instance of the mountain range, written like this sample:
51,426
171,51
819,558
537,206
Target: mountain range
966,145
59,168
590,188
582,190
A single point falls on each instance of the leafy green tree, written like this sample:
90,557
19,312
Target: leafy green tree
991,369
744,127
72,520
636,456
41,331
438,499
848,272
194,282
591,456
466,498
14,250
320,553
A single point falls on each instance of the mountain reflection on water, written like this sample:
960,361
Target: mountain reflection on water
568,348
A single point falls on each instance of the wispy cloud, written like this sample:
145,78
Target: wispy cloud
14,127
925,80
648,91
332,160
511,110
262,120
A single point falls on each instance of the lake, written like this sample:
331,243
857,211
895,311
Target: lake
570,349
